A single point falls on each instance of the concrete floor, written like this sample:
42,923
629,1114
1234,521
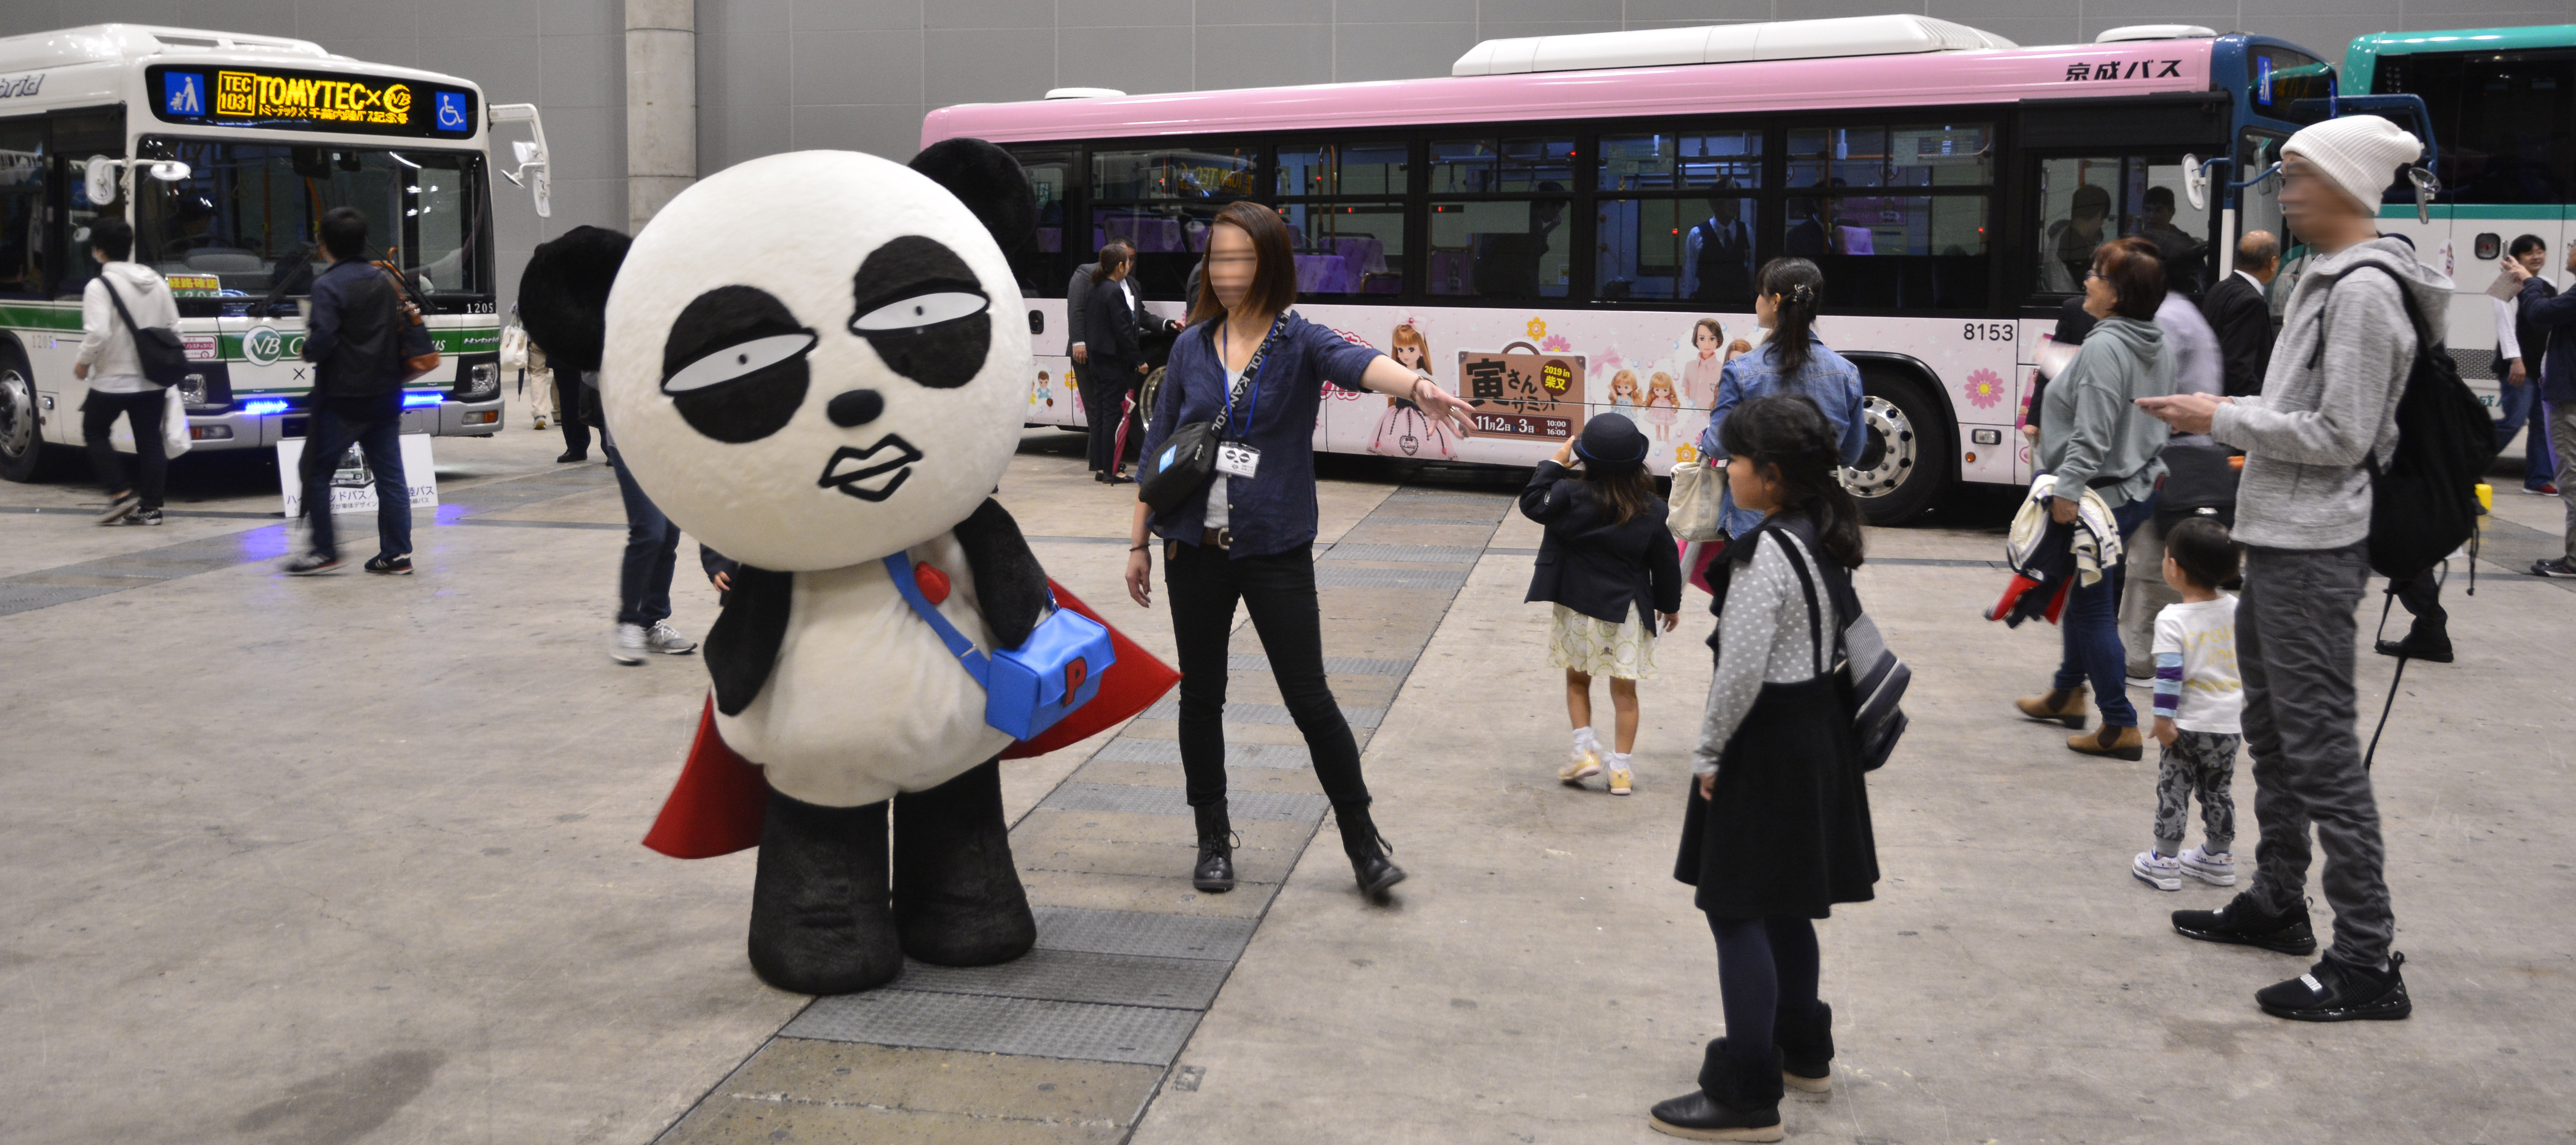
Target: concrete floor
354,859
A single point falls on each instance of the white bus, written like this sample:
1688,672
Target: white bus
223,151
1554,221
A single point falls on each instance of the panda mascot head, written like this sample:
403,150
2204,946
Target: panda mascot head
818,358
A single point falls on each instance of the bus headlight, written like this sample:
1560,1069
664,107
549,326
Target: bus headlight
192,390
478,380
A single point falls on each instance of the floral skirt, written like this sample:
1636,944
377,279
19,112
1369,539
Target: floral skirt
1596,647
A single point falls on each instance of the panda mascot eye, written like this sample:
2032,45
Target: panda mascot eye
922,310
734,364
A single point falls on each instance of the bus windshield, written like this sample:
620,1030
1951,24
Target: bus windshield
244,207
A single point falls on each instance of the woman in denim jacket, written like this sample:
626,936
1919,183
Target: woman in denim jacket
1791,361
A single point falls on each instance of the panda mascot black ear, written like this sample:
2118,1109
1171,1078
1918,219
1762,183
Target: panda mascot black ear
990,183
563,295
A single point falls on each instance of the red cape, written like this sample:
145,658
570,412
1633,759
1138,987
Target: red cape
717,806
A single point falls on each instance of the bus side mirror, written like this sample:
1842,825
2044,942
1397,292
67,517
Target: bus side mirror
2427,185
2195,182
170,170
99,178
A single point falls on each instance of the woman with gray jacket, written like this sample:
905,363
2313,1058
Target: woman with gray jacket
2092,435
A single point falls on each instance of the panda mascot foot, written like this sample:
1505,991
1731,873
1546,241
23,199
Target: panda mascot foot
820,920
957,896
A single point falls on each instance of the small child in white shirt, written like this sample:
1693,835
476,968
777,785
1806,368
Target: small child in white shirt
2198,700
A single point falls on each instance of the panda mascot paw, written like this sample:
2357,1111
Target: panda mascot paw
815,363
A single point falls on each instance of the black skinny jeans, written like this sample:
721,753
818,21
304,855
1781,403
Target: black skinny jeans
1279,591
143,411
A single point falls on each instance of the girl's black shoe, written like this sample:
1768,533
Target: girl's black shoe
1807,1050
1738,1099
1215,870
1367,850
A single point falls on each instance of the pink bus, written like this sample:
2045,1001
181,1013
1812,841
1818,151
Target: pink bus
1568,227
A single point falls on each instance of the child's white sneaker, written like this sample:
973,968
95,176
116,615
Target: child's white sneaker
1585,764
1619,781
2157,871
2217,870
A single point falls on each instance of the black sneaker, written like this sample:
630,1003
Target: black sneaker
2560,567
310,563
143,517
2336,992
390,566
2243,922
572,455
2418,646
118,507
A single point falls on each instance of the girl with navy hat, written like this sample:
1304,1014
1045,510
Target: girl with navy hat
1608,558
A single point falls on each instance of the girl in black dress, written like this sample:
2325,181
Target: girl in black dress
1778,825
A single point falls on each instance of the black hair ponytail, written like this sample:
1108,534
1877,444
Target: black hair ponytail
1801,289
1790,434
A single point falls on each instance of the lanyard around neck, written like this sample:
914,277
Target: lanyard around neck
1251,370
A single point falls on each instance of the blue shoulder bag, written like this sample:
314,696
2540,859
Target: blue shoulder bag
1028,688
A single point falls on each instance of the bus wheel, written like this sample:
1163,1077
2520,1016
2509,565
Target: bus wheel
1901,468
22,449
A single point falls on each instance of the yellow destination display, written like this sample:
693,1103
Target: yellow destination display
265,96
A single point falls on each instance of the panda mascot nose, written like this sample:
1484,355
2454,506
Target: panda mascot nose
855,408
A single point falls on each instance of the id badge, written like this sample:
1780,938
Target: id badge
1237,458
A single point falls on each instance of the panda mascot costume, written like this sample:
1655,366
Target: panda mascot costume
816,363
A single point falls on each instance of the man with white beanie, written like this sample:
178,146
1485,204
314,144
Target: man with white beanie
2329,405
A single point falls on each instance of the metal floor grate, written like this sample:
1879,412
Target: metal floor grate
1335,576
1086,1031
1412,554
1139,799
1143,933
1079,976
1279,756
1169,708
1345,665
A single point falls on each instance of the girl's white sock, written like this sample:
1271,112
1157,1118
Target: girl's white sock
1618,761
1583,738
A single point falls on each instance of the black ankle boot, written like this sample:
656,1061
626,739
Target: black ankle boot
1738,1099
1807,1049
1215,870
957,895
1367,850
819,917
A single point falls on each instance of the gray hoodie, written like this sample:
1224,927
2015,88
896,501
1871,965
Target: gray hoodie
2090,425
2330,396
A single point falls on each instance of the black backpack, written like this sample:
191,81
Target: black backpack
2424,504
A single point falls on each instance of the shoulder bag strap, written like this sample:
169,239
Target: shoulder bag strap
130,328
899,567
1807,582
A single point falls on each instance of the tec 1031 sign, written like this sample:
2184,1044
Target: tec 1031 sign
310,101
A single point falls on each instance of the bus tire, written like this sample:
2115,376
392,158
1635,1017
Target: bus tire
1904,468
22,441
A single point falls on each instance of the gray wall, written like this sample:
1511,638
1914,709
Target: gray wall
781,75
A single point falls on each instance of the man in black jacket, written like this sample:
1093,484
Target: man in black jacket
2239,309
353,337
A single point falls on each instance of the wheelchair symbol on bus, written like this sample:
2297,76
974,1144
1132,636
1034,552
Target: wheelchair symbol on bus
451,111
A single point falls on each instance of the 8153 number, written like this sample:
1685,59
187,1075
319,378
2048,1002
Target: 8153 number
1986,331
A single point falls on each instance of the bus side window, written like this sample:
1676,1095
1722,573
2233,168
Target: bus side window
22,209
1897,217
2086,201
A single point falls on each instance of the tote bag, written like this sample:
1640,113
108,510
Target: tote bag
1698,491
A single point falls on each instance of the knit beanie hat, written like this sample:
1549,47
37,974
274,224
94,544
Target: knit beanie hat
2361,153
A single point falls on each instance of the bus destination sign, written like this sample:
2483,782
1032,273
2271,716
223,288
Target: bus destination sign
310,101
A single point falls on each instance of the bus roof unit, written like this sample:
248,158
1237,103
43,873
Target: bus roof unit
130,43
1724,44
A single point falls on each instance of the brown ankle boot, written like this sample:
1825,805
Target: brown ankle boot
2117,743
2065,706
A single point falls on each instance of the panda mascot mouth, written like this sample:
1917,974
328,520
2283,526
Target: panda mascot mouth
850,481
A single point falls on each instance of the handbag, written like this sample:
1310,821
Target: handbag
1173,474
419,351
174,423
2200,480
1028,688
1699,489
1868,673
157,349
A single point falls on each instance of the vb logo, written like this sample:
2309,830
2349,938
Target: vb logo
265,345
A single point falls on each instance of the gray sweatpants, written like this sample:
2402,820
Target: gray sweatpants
2562,440
2143,594
2294,646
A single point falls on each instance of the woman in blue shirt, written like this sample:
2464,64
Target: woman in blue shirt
1248,361
1792,361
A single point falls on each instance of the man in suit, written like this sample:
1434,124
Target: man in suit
1077,298
1720,258
2239,309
